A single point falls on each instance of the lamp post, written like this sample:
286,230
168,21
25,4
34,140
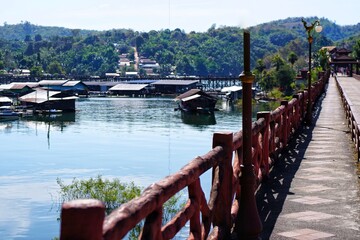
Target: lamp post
310,29
248,224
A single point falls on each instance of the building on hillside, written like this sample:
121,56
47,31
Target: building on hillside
131,74
124,61
151,67
112,75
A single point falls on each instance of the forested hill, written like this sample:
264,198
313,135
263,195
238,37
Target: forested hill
216,52
22,30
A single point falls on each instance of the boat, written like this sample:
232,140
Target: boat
7,114
196,101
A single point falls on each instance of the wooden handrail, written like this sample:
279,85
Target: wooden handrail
212,219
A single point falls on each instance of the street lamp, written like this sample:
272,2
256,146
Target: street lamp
310,29
248,224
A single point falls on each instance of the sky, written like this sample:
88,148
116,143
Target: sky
187,15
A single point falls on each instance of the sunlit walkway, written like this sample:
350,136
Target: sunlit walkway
313,191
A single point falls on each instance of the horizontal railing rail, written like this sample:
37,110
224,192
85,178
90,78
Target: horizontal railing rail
208,219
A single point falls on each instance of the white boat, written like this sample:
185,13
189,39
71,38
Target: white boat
7,114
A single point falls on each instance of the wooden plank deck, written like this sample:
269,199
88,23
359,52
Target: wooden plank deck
313,192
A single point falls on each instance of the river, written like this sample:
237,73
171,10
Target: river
133,139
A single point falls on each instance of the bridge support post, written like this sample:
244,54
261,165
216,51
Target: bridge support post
82,219
248,224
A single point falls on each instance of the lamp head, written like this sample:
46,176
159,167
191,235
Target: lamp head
318,28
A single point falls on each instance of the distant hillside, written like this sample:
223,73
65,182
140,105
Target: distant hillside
216,52
331,30
21,30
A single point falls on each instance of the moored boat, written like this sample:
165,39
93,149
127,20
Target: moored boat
7,114
196,101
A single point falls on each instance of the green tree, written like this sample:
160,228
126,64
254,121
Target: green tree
36,71
267,82
38,38
286,76
356,50
277,61
292,58
55,68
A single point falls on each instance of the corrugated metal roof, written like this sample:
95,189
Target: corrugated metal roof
175,82
53,82
188,93
95,83
231,89
17,86
38,96
191,97
128,87
5,100
71,83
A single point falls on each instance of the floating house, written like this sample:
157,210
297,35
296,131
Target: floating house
234,93
46,100
99,87
196,101
16,89
71,86
5,101
174,86
124,89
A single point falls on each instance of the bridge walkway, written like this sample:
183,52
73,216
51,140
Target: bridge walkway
313,191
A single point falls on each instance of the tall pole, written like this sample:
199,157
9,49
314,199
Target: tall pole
248,224
309,104
309,29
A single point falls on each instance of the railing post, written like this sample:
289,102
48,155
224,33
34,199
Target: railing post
152,226
285,123
297,111
223,175
82,219
265,141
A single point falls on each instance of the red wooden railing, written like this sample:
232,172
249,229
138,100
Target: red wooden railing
209,219
352,117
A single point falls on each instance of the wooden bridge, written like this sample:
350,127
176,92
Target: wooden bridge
311,189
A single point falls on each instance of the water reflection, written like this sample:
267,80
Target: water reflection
56,119
196,119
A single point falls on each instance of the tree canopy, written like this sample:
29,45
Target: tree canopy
216,52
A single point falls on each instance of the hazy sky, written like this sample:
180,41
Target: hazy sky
188,15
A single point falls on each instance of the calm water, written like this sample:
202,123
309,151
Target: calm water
140,140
